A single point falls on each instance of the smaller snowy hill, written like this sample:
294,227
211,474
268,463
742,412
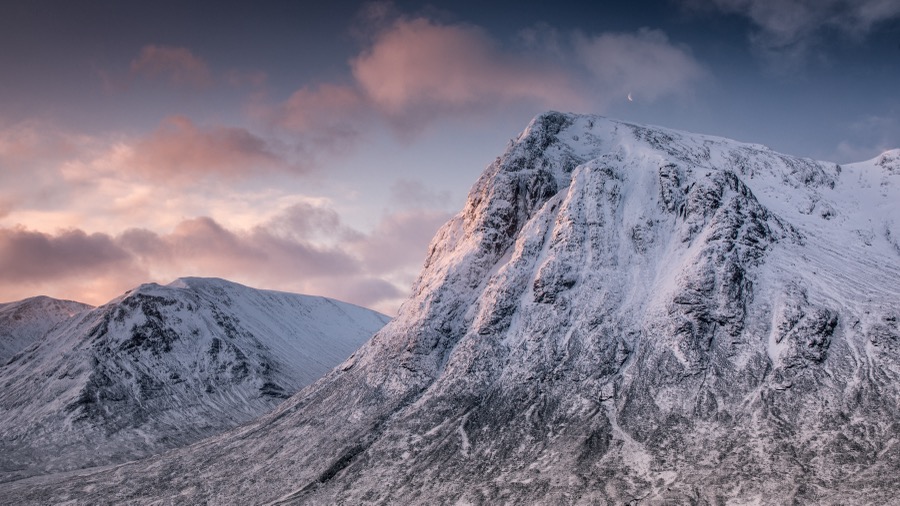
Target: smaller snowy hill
23,322
162,366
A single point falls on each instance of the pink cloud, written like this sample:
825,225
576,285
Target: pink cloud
327,116
282,253
180,149
289,252
23,143
308,108
400,240
415,70
418,64
30,256
31,156
176,64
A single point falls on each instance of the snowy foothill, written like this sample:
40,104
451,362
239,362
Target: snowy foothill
159,367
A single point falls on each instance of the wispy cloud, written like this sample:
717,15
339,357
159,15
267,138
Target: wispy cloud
788,30
646,64
181,149
177,65
420,68
866,138
328,117
415,70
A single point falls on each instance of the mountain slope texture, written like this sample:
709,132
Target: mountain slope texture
163,366
24,322
620,314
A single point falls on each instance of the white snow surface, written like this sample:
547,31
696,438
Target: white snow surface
621,314
162,366
24,322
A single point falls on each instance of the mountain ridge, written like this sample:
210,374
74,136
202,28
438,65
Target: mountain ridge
619,314
23,322
161,366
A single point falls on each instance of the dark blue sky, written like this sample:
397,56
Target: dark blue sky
329,126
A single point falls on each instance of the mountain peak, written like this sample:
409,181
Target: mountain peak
196,282
162,366
619,313
24,322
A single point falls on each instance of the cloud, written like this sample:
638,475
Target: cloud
789,29
305,248
32,154
246,78
645,64
374,293
419,67
178,65
328,116
180,149
24,142
410,194
27,255
400,239
46,168
415,70
305,220
867,137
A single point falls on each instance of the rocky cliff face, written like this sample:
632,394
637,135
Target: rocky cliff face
620,314
163,366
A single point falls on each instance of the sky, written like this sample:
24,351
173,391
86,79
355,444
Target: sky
315,147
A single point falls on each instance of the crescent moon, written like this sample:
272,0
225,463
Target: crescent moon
629,98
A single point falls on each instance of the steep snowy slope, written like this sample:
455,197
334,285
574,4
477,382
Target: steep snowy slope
24,322
162,366
620,314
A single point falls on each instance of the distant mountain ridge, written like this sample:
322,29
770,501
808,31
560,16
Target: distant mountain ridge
162,366
23,322
621,314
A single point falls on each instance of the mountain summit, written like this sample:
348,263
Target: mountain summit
164,366
619,314
24,322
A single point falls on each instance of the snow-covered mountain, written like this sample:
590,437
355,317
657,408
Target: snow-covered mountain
162,366
620,314
24,322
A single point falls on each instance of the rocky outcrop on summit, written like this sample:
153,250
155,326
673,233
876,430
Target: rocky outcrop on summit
163,366
620,314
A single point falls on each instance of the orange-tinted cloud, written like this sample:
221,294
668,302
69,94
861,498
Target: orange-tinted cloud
178,65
